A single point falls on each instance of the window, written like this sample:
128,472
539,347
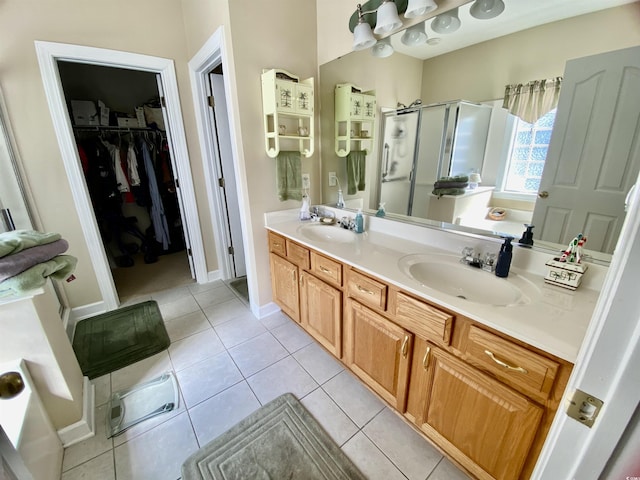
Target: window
527,154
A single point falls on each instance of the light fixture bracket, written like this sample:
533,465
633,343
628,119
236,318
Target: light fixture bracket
369,10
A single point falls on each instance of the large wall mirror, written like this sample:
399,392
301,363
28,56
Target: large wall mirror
473,66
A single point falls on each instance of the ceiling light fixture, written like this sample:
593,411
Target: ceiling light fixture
486,9
417,8
414,35
362,35
382,48
388,19
447,22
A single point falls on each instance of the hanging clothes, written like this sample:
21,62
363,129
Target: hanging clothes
132,166
158,218
121,178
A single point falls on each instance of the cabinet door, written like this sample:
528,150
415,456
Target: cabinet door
284,283
321,312
484,420
378,351
368,107
357,107
304,99
285,96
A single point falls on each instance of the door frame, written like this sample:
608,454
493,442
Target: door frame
213,53
48,54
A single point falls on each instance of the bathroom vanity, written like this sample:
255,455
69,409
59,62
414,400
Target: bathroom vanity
481,381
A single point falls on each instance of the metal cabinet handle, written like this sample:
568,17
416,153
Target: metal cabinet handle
364,290
325,270
276,244
427,358
405,344
503,364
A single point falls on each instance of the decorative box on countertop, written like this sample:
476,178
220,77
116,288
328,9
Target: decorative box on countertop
565,274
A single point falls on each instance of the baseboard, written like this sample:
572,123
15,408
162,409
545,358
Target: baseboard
261,311
213,276
80,313
86,427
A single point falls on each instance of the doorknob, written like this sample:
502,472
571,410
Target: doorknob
543,194
11,385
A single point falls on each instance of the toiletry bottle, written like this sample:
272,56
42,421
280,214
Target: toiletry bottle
504,258
359,222
305,214
380,212
340,203
527,236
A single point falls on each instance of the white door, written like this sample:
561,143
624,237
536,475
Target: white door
595,149
226,176
34,450
174,169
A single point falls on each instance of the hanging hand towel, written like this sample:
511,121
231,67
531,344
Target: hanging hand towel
289,176
356,171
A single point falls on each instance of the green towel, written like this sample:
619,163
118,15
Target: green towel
59,267
448,191
356,171
289,176
457,178
17,240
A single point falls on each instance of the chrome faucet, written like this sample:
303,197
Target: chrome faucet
486,262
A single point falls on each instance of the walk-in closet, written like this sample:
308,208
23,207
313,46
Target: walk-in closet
126,160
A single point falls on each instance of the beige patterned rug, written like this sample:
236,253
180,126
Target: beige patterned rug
279,441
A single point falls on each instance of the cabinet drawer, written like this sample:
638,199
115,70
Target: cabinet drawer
327,269
521,368
298,254
422,319
277,244
367,290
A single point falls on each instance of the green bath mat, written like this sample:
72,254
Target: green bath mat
113,340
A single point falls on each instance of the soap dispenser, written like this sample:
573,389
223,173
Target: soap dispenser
305,213
504,258
381,212
527,236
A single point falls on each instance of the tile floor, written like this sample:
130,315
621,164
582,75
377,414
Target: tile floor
228,364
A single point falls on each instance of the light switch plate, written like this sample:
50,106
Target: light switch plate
332,179
306,181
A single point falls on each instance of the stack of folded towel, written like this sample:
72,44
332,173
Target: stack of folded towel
451,185
28,257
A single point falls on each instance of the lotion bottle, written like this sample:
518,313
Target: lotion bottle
359,221
504,258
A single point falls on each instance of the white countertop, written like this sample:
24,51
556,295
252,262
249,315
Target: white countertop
556,322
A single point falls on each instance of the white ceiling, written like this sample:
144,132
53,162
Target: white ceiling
518,15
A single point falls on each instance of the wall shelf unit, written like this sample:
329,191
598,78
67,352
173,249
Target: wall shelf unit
355,114
287,104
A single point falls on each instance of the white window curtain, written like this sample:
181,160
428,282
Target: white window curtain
532,100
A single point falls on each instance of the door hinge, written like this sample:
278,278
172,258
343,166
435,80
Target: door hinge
163,102
584,407
231,251
221,182
212,102
189,252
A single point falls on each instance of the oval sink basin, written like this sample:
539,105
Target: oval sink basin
326,233
446,274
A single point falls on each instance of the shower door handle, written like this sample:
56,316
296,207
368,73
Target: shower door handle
7,219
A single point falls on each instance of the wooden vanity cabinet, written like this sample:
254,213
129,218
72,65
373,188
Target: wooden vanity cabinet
485,425
484,398
321,312
378,351
284,283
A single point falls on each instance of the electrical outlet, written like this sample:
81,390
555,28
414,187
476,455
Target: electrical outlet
306,181
333,180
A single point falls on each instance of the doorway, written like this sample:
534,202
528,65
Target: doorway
211,81
235,271
123,145
49,54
